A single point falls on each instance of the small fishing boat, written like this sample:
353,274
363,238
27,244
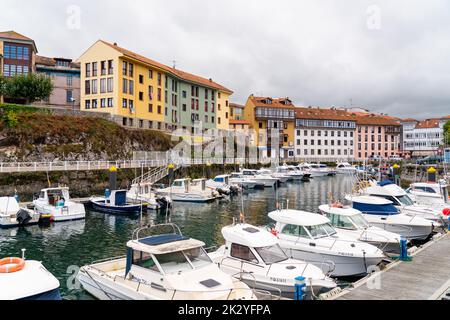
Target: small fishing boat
143,193
244,182
345,168
293,172
12,215
254,255
402,201
350,222
22,279
283,178
222,185
314,170
116,202
433,194
267,180
54,204
310,237
164,265
182,190
383,214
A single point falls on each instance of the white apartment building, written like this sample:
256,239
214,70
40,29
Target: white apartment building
324,134
422,138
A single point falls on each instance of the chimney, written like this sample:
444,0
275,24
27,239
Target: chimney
115,44
210,80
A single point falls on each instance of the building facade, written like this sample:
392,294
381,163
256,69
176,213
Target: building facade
266,114
17,56
142,93
423,138
324,134
376,136
65,75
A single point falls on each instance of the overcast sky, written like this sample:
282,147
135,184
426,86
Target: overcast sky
388,56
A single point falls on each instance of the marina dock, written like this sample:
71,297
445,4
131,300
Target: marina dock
426,277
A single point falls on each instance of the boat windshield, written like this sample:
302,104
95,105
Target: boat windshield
359,221
198,257
174,262
405,200
272,254
321,231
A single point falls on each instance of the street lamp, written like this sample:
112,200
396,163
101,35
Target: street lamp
73,104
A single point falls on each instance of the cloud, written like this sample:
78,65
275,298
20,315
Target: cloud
321,53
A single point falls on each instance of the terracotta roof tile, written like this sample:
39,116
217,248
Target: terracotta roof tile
324,114
51,62
428,124
179,73
235,105
13,36
274,103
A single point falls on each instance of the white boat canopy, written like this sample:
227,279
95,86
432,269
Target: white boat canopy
368,200
297,217
345,211
250,236
163,244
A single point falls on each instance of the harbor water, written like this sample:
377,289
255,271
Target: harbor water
66,246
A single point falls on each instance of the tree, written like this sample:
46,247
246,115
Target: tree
31,87
447,133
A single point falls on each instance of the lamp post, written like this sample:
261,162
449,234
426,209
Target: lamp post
73,104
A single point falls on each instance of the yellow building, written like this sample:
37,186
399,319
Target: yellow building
142,93
266,114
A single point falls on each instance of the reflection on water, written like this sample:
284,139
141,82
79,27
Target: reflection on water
100,236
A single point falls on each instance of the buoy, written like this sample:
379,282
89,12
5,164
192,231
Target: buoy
10,265
446,211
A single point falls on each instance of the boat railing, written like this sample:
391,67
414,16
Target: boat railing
384,245
106,260
150,228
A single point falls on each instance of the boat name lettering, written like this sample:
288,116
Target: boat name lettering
278,279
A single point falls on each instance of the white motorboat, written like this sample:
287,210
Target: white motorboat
55,204
293,172
182,190
244,182
383,214
254,255
351,223
345,168
12,215
433,194
142,192
313,169
22,279
310,237
390,191
267,180
277,175
222,185
162,266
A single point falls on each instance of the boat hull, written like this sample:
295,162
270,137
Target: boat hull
118,210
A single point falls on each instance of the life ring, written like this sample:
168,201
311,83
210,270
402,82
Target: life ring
10,265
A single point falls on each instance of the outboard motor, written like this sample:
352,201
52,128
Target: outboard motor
234,190
23,217
223,191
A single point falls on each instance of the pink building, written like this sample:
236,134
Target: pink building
376,136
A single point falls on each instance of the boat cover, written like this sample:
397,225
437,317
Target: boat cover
162,239
378,209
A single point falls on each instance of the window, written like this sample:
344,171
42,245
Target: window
103,68
69,95
94,69
130,69
87,104
124,68
184,107
110,102
150,92
206,106
102,85
102,103
150,108
131,84
69,81
150,74
242,253
87,87
88,70
141,79
110,67
110,85
124,103
141,123
159,80
124,86
141,96
159,109
144,259
272,254
94,86
124,121
184,94
94,103
206,94
340,221
159,94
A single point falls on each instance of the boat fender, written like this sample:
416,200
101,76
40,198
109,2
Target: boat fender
446,211
274,232
10,265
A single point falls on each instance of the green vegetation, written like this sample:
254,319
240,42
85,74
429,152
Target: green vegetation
447,133
34,134
29,88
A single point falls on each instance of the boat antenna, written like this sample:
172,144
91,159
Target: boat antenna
241,214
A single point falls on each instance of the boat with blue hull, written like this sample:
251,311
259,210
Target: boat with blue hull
116,203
